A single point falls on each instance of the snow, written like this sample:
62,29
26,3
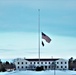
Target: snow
48,72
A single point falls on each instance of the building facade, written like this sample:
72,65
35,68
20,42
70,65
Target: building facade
47,64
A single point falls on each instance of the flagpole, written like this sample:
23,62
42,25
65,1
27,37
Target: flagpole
54,68
39,35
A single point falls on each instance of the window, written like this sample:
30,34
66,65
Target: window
49,66
65,62
61,62
41,62
25,62
34,62
26,66
45,67
61,66
57,66
18,62
65,66
37,62
22,62
45,62
57,62
18,66
22,66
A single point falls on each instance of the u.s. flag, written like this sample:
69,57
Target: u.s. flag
44,36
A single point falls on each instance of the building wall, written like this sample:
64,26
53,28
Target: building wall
62,64
22,64
42,63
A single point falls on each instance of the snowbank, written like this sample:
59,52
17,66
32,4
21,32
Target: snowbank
51,72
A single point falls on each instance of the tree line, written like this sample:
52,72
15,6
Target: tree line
72,64
4,66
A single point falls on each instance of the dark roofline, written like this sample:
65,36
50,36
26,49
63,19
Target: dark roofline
41,59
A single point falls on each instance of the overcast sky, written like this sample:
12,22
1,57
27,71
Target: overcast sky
19,28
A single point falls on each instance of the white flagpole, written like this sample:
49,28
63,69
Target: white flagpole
54,68
39,35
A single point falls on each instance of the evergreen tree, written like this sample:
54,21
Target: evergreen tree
74,64
70,63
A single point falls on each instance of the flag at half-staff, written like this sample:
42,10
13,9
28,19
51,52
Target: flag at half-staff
45,37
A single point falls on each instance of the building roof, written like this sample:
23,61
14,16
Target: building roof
41,59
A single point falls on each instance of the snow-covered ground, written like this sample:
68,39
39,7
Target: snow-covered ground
51,72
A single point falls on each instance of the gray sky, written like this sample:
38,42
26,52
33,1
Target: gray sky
19,28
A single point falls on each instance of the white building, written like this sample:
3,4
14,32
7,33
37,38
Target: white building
47,64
